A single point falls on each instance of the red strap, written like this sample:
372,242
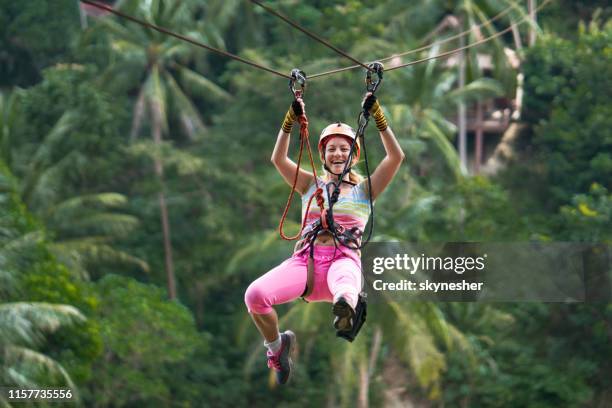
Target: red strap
318,194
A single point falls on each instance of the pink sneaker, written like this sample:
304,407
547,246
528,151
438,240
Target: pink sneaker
281,361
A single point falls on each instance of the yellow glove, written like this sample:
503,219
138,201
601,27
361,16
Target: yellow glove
295,110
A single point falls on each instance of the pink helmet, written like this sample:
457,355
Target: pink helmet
338,129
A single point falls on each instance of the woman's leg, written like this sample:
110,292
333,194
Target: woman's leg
267,324
344,279
282,284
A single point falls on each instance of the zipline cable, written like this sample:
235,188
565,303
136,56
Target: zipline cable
264,68
310,34
444,54
426,46
182,37
474,44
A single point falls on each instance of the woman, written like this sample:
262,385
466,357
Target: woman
337,271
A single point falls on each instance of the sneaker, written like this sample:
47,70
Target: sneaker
281,361
344,315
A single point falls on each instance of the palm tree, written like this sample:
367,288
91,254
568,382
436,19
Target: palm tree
157,68
23,325
460,16
83,226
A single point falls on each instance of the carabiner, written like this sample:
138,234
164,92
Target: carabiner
297,76
362,122
378,68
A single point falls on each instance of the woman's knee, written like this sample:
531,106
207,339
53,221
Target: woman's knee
255,299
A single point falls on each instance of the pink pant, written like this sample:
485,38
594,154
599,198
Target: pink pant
334,276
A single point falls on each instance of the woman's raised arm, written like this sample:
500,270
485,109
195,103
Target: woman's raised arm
390,164
285,166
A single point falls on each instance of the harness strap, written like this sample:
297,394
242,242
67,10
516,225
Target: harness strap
347,237
309,239
309,278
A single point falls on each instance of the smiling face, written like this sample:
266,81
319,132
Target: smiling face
336,152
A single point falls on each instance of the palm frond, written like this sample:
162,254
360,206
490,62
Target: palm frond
118,30
42,185
28,358
8,182
76,204
26,322
18,243
480,88
418,347
188,113
77,253
447,150
10,375
126,48
44,154
203,86
85,223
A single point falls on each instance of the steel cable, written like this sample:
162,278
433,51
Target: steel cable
309,33
182,37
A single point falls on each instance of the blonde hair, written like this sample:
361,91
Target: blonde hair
355,177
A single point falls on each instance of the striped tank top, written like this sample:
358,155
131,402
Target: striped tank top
351,210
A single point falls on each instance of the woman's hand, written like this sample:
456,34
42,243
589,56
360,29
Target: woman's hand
298,106
296,109
285,166
388,167
371,105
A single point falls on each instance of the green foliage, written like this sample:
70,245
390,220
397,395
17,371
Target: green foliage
46,337
85,193
571,119
91,136
33,35
588,218
145,338
54,182
563,17
527,363
474,209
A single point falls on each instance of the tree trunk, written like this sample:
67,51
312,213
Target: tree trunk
364,385
516,35
461,110
167,243
159,172
366,371
479,134
82,15
533,17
